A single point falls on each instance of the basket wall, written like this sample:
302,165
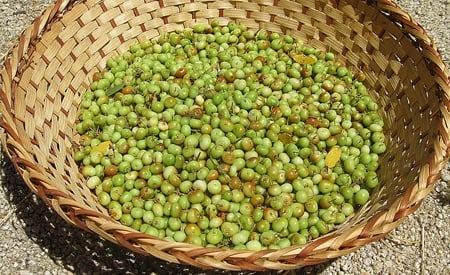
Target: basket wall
52,63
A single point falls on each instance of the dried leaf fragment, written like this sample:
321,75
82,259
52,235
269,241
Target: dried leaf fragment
102,147
333,157
304,59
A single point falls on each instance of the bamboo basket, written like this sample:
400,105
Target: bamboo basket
51,64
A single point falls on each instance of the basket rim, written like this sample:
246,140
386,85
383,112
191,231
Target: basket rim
74,212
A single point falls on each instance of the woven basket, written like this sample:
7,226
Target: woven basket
50,65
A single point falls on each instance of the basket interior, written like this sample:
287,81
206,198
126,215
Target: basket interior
57,70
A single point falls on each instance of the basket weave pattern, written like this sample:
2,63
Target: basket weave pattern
50,66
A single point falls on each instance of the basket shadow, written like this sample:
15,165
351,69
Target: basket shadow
83,252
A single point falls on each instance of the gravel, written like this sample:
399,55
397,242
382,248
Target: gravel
35,240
